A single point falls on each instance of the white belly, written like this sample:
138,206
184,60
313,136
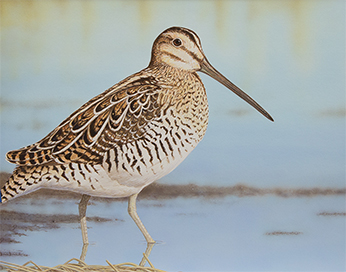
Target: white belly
125,171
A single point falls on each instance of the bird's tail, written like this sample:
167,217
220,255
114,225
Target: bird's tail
23,180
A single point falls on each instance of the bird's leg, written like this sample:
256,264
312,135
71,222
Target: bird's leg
133,213
82,211
132,209
146,254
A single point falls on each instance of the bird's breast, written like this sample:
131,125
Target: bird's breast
166,141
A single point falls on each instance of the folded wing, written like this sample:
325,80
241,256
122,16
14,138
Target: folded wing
117,116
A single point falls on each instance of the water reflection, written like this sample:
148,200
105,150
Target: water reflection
132,210
146,254
143,261
15,223
293,225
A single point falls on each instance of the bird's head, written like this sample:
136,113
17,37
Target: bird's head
181,48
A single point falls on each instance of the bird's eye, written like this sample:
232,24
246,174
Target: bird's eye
177,42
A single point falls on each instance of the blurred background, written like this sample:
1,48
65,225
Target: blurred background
288,55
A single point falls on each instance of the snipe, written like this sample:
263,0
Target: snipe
128,136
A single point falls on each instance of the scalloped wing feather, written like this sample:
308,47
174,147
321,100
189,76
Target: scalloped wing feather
112,118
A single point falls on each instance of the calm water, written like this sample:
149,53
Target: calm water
288,55
229,234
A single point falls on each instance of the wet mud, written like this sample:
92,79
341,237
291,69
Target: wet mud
332,214
277,233
15,224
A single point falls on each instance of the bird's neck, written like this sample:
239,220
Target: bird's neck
171,74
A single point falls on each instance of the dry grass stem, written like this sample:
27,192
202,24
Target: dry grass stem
80,266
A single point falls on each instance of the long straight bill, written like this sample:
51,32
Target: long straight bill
208,69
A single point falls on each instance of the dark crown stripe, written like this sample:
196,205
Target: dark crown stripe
190,34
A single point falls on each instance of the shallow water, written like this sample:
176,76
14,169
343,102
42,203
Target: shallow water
215,234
